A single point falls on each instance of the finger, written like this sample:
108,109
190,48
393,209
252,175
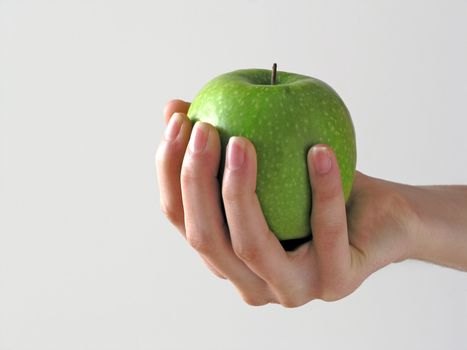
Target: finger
205,227
169,159
252,240
328,217
212,268
175,106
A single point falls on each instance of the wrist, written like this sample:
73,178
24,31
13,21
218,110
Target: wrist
415,230
407,216
397,221
439,224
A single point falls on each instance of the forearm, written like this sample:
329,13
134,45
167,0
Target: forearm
441,234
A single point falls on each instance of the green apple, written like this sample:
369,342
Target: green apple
283,115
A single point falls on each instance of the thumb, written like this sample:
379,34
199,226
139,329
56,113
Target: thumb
328,216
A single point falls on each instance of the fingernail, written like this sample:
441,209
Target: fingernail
235,153
173,129
199,138
321,159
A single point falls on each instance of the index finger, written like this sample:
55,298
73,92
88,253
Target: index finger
173,106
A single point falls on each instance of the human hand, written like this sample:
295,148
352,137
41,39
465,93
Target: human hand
348,243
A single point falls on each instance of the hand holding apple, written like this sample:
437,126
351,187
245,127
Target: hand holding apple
377,229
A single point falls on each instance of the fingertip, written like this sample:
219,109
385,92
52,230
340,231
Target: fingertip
210,127
240,151
174,106
205,135
320,159
240,168
235,157
247,145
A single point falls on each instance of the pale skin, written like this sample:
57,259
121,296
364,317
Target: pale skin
383,222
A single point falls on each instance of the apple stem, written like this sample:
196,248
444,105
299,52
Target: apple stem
273,74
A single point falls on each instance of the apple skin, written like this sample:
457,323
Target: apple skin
283,121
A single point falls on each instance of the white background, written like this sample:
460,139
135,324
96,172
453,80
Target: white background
87,260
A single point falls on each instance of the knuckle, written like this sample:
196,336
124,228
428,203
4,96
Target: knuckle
328,238
249,253
254,300
200,241
293,303
231,192
328,224
326,194
227,194
167,152
189,173
332,290
214,270
157,153
160,155
330,295
198,169
219,275
295,297
175,216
